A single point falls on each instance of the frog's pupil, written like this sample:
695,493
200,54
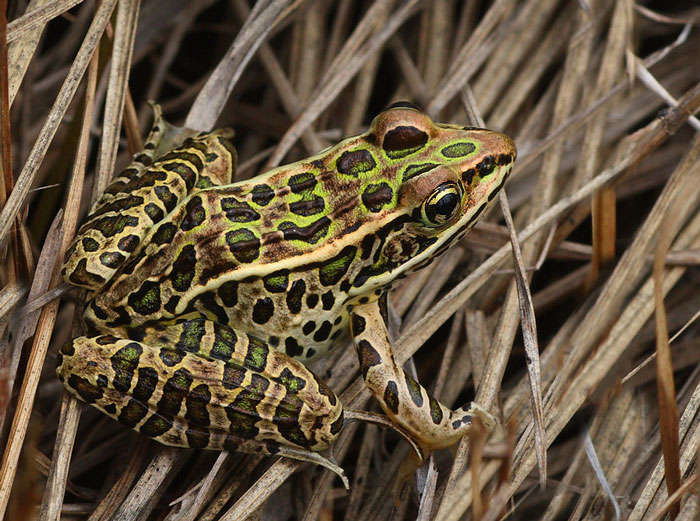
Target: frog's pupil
442,206
446,204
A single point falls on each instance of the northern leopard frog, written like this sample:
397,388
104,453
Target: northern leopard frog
207,297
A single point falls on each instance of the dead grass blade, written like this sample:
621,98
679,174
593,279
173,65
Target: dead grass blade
38,17
117,86
600,474
256,495
20,422
530,342
603,212
25,327
70,406
666,388
212,97
477,437
151,484
58,110
188,507
672,503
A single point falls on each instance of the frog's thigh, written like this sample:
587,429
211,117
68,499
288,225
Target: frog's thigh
213,388
403,399
140,198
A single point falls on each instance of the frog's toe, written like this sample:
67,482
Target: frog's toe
471,410
324,459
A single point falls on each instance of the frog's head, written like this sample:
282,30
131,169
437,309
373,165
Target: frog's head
445,176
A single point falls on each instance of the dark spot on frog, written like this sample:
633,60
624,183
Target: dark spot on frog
369,357
328,300
309,327
132,413
194,214
503,159
435,410
403,141
263,310
294,296
376,196
415,391
303,182
91,245
154,212
355,162
468,176
311,300
196,403
486,166
323,332
391,396
156,426
292,347
128,243
146,384
358,324
461,149
262,194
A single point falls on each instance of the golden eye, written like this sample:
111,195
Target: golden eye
442,204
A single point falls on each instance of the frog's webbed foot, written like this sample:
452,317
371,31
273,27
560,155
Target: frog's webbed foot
382,421
317,458
405,401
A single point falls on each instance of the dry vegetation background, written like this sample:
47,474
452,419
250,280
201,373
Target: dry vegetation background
599,97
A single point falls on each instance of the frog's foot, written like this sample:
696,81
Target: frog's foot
382,421
405,401
316,458
201,384
473,409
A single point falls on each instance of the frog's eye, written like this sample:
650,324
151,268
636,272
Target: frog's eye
442,204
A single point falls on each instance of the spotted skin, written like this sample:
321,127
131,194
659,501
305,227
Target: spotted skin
208,296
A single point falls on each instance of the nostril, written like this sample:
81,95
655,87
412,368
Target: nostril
486,166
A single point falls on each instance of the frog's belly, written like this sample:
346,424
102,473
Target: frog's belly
302,324
296,320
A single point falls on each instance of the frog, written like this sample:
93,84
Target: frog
207,297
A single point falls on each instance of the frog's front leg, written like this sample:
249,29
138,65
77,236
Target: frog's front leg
404,400
201,384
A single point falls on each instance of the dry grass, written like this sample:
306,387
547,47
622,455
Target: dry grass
606,205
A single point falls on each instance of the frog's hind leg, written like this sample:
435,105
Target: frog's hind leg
142,195
404,400
201,384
